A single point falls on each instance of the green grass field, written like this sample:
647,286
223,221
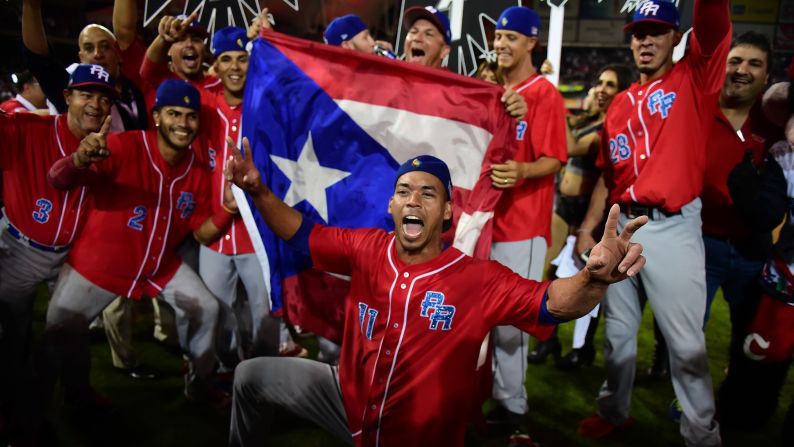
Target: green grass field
154,413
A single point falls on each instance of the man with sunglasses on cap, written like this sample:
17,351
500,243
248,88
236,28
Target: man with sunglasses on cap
149,193
653,156
39,222
522,218
415,317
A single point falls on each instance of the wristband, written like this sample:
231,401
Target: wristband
229,210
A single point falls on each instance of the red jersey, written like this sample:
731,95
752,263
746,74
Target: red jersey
413,334
15,105
143,209
236,240
653,148
524,211
30,145
725,150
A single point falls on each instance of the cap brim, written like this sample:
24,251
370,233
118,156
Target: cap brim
415,13
94,86
631,25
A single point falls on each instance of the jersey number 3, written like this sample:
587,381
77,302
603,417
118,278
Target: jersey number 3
42,215
139,213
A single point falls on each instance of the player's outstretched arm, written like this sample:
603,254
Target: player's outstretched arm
33,35
71,170
125,22
613,259
240,170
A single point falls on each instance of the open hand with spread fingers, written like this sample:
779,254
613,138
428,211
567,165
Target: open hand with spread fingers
240,169
94,147
615,258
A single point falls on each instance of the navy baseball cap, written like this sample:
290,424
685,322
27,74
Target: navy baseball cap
177,93
342,29
656,11
91,76
195,26
520,19
431,165
431,14
230,38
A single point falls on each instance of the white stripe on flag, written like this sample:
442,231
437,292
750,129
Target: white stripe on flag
407,134
468,230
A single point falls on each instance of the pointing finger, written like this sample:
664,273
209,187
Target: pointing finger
611,227
105,126
235,150
193,16
246,148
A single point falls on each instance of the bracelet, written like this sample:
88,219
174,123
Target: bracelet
228,210
583,230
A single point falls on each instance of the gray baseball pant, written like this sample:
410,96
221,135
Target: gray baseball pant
306,388
76,301
511,345
221,274
22,268
674,282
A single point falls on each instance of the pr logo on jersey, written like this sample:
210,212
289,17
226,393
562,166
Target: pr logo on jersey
660,102
363,312
433,307
186,204
521,129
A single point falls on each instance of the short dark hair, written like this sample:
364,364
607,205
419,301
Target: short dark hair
757,40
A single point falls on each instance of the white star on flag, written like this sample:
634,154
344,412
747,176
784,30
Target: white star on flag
308,179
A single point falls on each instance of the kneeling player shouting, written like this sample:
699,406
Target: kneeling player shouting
415,317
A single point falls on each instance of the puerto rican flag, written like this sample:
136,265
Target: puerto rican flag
328,129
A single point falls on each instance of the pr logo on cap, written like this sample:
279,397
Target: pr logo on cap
187,100
649,8
239,43
504,21
416,162
100,73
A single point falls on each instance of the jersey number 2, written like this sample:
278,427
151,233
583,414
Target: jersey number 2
42,215
137,217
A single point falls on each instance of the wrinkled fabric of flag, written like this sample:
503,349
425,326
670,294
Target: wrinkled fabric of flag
328,129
